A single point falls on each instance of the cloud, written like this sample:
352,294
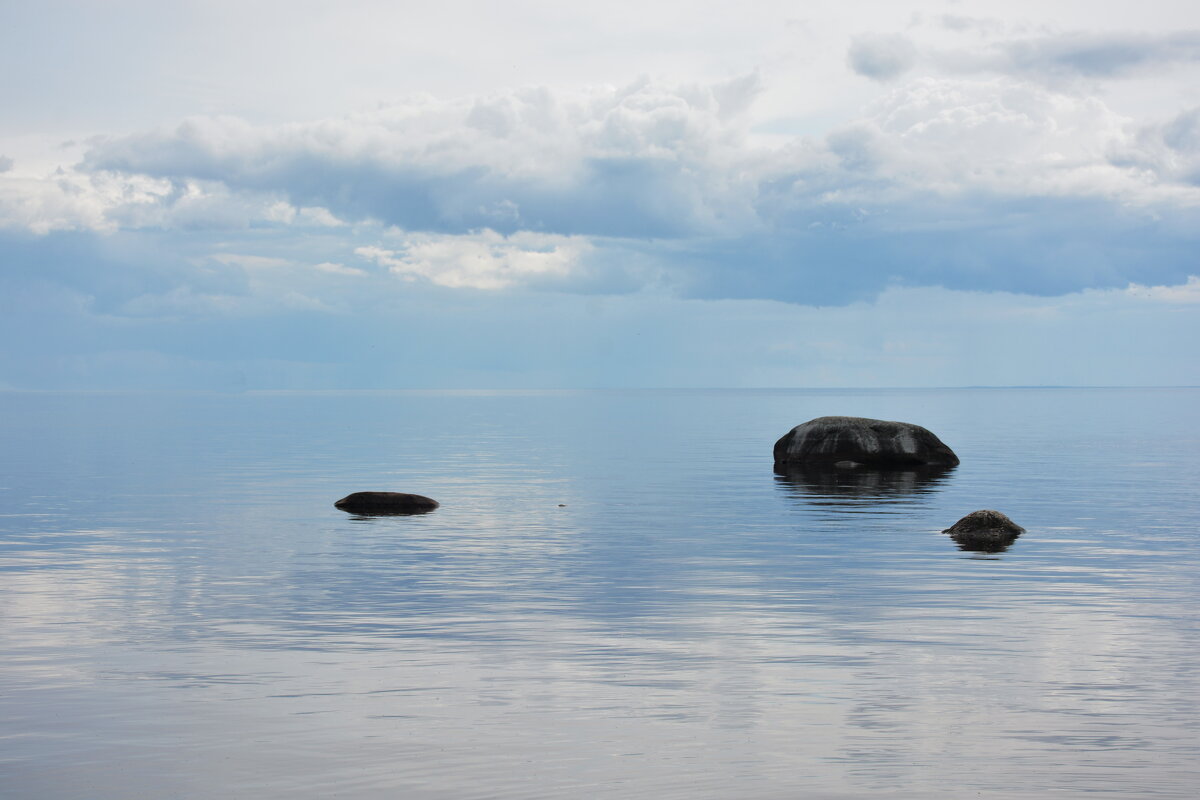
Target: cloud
992,184
56,203
6,164
1184,294
643,161
1079,55
982,25
313,217
1004,137
1103,55
483,260
629,161
107,201
882,57
1027,246
1169,152
251,261
339,269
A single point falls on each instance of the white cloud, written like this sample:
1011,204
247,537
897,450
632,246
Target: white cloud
66,200
482,260
526,132
650,160
311,217
999,135
641,157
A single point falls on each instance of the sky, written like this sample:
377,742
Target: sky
383,195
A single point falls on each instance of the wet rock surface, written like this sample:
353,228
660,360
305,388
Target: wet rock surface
386,504
848,442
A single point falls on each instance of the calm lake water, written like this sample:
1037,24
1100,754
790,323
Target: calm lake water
618,598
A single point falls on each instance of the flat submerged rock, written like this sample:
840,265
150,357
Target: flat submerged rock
386,504
850,442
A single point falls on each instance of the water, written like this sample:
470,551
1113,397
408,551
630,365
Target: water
618,598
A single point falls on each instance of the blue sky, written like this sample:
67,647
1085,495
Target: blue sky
268,195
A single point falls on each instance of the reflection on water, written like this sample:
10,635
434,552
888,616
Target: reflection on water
860,485
394,512
613,600
984,542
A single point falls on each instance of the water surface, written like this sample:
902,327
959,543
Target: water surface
619,597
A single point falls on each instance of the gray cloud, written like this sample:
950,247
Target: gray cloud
6,163
1110,55
1182,134
1079,55
1045,247
1169,151
882,57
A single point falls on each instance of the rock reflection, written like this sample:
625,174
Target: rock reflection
364,516
854,487
984,541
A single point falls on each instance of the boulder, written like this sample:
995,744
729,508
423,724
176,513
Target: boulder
849,442
985,530
384,503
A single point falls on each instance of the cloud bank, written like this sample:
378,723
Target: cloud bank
991,184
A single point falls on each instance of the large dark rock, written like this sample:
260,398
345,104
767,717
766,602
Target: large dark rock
984,531
854,441
385,503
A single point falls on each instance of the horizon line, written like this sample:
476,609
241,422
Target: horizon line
415,389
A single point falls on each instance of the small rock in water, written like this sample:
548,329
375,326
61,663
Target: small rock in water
385,503
985,530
